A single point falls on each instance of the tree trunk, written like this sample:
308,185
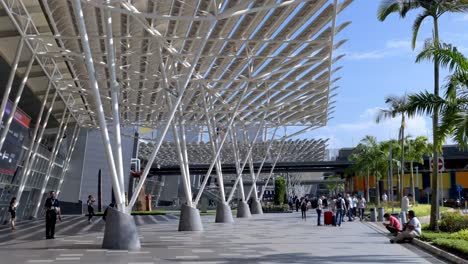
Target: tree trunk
412,183
434,225
367,187
377,190
402,135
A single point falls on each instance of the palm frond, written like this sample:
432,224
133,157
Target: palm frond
423,103
416,25
386,8
446,54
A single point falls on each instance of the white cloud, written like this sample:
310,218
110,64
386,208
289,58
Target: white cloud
392,48
462,18
349,134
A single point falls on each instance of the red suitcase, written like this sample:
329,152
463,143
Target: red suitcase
328,218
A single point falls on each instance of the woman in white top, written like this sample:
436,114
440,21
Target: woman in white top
361,207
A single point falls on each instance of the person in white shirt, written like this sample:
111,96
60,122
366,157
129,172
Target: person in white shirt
384,197
350,207
411,230
405,205
362,207
319,209
355,204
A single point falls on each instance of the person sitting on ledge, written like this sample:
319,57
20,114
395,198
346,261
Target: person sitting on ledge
412,230
394,225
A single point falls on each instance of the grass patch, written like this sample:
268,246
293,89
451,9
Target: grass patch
419,209
455,243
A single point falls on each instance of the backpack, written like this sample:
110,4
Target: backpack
339,202
304,206
347,203
314,203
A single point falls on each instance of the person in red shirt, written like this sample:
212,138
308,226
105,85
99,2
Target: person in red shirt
394,225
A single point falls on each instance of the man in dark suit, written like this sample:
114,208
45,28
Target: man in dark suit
52,206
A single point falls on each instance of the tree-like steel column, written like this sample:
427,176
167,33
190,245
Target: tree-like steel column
114,87
66,164
27,157
263,162
29,162
223,210
58,141
121,231
262,192
242,206
19,93
231,194
231,122
11,77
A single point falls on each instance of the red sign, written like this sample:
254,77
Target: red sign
20,116
440,164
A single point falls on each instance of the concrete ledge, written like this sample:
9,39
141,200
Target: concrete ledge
439,252
429,248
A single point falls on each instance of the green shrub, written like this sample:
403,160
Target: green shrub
276,208
431,235
453,222
462,234
456,246
280,190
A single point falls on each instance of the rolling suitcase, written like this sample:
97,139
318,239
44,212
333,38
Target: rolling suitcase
328,218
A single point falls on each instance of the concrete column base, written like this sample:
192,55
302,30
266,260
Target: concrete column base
256,207
223,213
190,219
243,210
121,232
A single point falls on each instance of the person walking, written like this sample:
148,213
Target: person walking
52,206
340,208
349,204
304,209
384,198
90,208
319,209
12,210
298,204
361,207
355,205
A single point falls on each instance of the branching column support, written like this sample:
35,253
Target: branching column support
231,194
267,153
231,122
19,93
11,78
53,155
175,106
29,162
212,136
66,164
27,158
93,84
114,88
272,169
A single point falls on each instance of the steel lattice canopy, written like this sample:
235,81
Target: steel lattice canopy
280,52
305,150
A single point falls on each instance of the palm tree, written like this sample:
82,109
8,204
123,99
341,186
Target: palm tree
430,9
370,157
397,106
417,148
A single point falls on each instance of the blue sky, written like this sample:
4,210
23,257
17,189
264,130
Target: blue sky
379,61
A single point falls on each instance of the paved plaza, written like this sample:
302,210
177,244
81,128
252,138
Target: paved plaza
268,238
